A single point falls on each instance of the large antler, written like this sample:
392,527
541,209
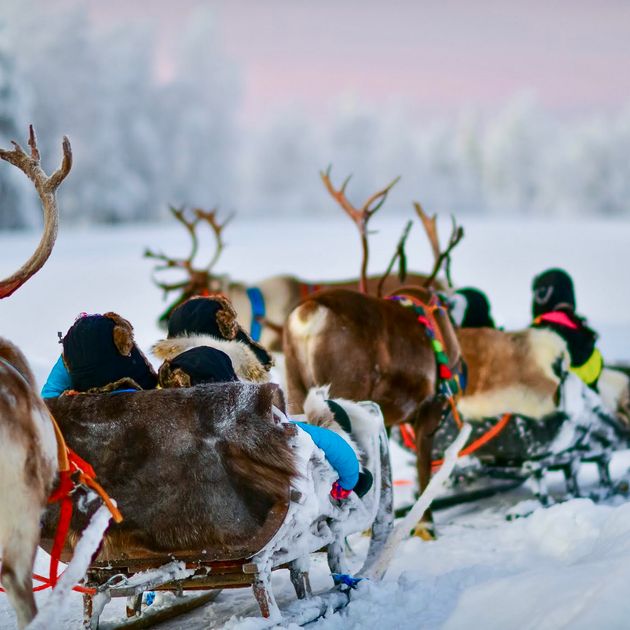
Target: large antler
401,257
430,227
46,187
360,217
198,279
211,218
180,263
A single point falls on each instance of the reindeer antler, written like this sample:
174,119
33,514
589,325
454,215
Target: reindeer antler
46,187
211,218
198,279
430,227
399,254
360,216
181,263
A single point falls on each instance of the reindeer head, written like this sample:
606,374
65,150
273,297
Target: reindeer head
198,280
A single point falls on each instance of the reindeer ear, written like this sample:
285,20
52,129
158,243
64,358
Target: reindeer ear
122,334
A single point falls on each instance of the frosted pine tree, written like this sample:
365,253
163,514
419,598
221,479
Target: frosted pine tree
17,206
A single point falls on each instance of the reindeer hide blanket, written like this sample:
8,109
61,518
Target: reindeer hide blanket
511,372
198,469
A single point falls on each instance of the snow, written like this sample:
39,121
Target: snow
85,549
382,561
564,566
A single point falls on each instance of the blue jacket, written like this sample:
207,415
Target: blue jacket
58,380
338,452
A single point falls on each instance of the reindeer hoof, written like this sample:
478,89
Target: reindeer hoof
425,531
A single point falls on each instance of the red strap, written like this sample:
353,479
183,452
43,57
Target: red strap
479,442
62,494
308,289
409,438
557,317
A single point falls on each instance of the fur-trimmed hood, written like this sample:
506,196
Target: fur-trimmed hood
245,363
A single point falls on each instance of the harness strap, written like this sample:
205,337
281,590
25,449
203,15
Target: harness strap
307,289
556,317
409,438
449,384
257,301
69,463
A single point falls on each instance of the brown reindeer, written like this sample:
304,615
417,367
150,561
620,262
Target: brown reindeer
368,348
279,294
28,465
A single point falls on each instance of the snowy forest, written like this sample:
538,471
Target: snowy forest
142,142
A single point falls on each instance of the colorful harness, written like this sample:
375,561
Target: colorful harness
73,472
259,310
450,384
308,289
257,301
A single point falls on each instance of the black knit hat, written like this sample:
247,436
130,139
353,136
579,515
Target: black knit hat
196,366
552,289
99,350
476,312
214,316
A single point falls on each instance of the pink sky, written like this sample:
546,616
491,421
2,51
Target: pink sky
434,56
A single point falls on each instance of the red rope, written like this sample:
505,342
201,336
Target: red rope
409,438
69,464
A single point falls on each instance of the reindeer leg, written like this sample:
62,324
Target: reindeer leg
17,566
295,387
426,423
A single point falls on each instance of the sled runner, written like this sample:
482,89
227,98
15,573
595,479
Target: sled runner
508,450
216,490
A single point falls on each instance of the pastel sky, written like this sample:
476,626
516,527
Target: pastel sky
434,56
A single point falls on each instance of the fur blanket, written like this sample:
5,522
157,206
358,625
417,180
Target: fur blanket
512,372
191,469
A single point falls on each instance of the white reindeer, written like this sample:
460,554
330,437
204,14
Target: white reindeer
28,464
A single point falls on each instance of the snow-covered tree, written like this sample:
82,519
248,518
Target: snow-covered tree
198,114
17,207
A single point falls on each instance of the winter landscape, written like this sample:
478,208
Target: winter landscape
178,113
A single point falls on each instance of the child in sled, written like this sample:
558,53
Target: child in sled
99,355
553,307
206,344
470,308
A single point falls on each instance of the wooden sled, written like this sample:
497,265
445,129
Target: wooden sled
581,430
181,463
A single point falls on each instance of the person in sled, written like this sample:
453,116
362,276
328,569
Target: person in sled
206,344
554,308
211,322
470,308
99,355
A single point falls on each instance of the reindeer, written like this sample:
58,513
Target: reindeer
263,309
28,466
369,348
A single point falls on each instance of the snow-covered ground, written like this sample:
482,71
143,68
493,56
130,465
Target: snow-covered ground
567,566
